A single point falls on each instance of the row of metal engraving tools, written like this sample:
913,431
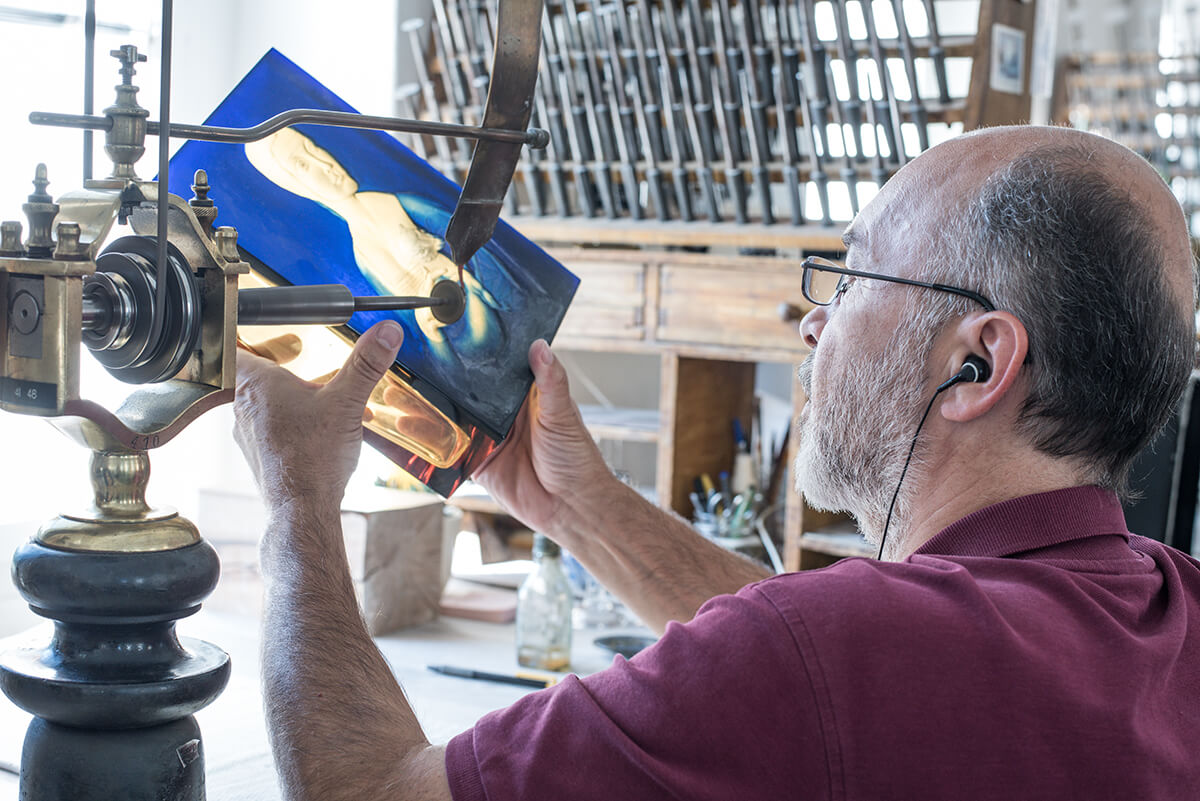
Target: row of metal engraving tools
686,109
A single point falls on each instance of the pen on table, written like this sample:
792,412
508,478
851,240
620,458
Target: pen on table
522,679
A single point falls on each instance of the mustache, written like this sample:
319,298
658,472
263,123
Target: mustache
804,374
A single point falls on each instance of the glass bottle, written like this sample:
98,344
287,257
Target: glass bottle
544,610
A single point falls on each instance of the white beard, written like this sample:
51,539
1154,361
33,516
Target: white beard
854,441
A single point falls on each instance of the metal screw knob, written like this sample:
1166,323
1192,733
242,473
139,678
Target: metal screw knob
69,246
200,189
10,239
227,243
537,138
128,55
40,182
204,209
25,313
125,141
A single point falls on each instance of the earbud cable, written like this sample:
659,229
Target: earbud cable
912,447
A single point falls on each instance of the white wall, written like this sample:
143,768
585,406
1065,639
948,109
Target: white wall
349,46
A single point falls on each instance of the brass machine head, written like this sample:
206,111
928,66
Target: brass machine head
159,308
156,307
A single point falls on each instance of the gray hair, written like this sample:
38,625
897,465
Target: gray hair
1053,240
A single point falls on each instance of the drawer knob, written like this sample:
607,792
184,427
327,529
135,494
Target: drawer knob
790,312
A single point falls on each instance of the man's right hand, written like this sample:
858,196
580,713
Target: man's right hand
549,459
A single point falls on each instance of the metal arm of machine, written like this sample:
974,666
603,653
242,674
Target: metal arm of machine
534,137
503,133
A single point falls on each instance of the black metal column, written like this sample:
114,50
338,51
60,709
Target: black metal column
114,689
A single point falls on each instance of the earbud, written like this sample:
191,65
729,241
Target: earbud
974,371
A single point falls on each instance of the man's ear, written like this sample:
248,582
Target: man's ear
999,339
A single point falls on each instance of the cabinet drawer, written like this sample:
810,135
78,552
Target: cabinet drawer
610,301
731,307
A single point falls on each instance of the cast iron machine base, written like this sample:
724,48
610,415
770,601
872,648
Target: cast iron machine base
114,689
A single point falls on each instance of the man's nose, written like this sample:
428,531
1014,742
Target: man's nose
813,324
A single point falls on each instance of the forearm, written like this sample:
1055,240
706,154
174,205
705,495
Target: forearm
653,560
340,725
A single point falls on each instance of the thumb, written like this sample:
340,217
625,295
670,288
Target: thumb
249,366
554,404
373,354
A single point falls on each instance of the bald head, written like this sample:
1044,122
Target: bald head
940,182
987,151
1080,239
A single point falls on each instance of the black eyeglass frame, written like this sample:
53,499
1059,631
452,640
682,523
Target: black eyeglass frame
824,265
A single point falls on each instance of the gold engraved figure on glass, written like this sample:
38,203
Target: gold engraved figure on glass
394,255
544,610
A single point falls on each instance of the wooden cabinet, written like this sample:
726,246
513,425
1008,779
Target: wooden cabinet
611,303
698,400
695,304
710,319
729,306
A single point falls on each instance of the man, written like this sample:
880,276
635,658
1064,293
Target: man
1020,644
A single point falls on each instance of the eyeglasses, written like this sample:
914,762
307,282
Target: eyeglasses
824,292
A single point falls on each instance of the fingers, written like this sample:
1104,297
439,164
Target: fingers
281,349
541,359
515,435
373,354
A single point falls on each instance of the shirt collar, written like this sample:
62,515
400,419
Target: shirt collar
1031,521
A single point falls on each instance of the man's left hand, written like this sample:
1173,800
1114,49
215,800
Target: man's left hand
301,439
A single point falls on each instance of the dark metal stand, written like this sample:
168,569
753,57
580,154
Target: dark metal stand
114,690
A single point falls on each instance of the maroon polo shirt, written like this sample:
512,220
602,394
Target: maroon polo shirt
1033,650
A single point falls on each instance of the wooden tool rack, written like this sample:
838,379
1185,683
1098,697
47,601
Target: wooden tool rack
711,317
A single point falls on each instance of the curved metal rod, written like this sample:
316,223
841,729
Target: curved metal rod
499,140
534,137
509,105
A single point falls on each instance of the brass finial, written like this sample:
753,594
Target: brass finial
204,209
41,211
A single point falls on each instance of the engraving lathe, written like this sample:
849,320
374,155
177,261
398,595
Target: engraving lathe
114,690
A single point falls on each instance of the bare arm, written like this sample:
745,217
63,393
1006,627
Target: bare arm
340,725
652,560
551,476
